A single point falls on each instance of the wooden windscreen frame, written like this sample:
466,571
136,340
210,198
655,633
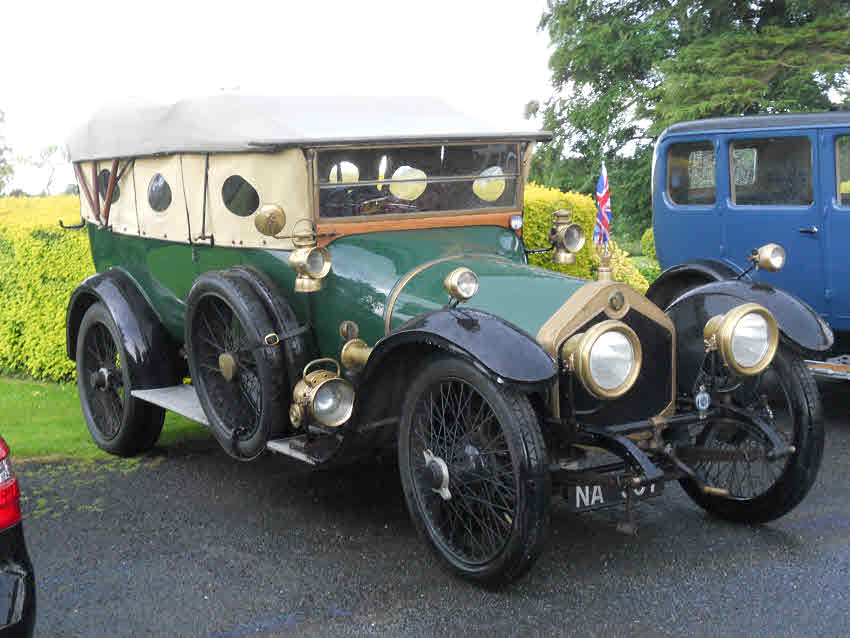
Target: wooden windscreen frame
328,229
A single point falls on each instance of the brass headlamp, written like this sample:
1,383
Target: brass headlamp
461,284
746,337
329,398
606,358
312,263
567,237
770,257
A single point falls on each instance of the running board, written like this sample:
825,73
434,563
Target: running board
835,368
181,399
292,447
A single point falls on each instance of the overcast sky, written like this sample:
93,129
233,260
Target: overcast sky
61,60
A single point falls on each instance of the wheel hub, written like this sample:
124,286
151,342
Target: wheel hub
102,378
227,365
438,475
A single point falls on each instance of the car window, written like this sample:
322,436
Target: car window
379,181
239,196
691,178
842,162
103,186
159,193
771,171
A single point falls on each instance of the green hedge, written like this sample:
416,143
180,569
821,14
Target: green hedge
41,265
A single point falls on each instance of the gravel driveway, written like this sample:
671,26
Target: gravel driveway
187,542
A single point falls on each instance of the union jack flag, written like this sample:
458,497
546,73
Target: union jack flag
602,228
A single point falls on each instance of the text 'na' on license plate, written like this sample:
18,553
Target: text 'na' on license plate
591,496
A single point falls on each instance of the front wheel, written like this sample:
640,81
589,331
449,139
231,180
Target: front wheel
760,489
474,472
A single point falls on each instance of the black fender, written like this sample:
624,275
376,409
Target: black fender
682,277
152,353
505,352
800,327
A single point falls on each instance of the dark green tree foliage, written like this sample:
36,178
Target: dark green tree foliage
623,70
5,167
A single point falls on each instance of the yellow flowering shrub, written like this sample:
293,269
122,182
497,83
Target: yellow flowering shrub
40,266
540,202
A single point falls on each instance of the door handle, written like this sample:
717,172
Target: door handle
810,231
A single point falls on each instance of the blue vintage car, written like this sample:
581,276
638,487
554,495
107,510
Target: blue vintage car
721,187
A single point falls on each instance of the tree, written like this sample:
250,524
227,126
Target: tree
50,158
6,169
623,70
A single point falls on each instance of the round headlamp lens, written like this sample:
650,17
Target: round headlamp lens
750,340
777,257
315,262
611,360
516,222
467,284
333,402
573,238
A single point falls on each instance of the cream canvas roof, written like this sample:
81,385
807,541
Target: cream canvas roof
234,123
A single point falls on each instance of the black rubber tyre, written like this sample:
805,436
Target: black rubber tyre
493,526
119,423
224,316
762,490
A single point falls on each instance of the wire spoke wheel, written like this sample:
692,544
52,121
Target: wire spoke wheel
219,332
473,467
453,422
118,422
761,489
750,472
102,379
239,381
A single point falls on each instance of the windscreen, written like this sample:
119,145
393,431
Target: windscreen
417,179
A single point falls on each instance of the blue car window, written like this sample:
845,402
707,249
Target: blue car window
771,171
691,178
842,160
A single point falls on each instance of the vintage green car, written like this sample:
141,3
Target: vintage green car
338,276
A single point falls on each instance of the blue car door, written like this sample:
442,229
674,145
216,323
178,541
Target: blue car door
772,195
835,182
685,200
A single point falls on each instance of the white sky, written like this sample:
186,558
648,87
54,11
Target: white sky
61,60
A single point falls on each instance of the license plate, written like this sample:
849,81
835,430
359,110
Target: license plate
593,496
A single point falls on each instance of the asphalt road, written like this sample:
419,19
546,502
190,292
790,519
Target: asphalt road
187,542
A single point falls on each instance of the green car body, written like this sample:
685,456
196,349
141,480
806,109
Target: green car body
367,270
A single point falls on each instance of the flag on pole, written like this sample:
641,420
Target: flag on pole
602,228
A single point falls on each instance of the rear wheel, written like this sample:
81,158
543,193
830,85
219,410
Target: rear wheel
474,472
759,489
118,423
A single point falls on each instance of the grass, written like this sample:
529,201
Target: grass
43,421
